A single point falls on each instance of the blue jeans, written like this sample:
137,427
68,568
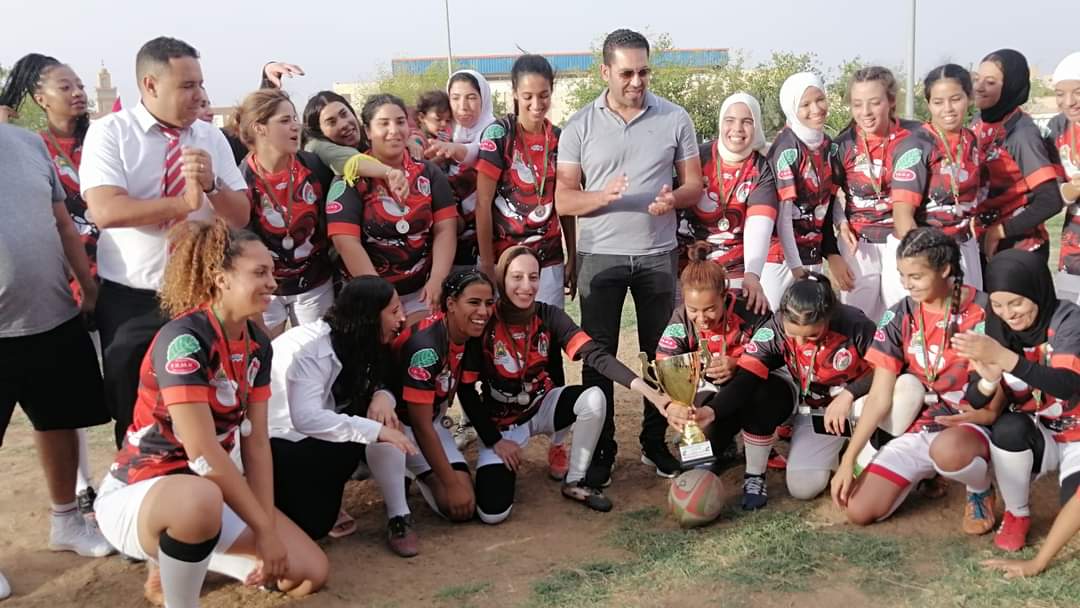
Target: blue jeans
602,283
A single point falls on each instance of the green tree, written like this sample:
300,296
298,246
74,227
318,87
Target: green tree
31,116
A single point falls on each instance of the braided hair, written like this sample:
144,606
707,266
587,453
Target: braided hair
26,79
939,250
808,301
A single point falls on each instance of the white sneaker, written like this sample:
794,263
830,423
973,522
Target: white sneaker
5,588
69,532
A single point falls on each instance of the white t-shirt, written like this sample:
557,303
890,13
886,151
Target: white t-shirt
126,149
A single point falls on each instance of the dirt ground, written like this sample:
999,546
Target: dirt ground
546,533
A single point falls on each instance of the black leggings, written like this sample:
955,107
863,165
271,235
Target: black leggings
1016,432
309,479
495,483
769,406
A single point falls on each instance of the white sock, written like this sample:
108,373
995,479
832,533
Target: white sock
757,449
387,464
183,569
82,476
237,567
1012,471
590,408
976,475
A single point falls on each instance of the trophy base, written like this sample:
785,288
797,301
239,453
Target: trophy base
695,455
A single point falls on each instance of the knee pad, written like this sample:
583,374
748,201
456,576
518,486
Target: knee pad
494,493
807,484
1014,432
591,403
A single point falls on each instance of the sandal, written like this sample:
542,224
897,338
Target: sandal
591,497
344,526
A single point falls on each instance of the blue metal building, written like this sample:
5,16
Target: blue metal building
498,66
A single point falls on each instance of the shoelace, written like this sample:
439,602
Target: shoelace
976,502
754,484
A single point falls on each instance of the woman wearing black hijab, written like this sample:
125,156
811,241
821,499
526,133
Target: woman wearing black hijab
1023,190
1031,355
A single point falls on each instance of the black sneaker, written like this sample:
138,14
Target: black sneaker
659,457
590,497
598,474
85,501
754,493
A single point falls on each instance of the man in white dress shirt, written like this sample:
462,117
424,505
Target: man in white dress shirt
143,170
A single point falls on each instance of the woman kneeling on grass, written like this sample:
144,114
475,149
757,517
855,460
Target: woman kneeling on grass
185,504
949,436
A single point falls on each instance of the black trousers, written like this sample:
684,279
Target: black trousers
309,480
1016,432
769,406
127,319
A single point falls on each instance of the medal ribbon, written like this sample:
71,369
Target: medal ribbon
931,370
287,207
519,145
954,166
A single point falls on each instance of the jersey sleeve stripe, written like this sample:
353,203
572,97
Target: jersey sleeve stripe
754,366
342,228
575,344
1066,361
418,396
879,358
175,395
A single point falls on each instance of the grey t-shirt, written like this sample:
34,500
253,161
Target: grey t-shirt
34,292
646,150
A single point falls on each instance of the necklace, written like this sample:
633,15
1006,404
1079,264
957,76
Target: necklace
931,369
526,157
287,240
239,378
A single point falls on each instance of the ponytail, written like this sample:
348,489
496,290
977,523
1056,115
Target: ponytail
701,273
940,251
809,301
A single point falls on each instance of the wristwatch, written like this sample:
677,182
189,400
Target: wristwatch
215,189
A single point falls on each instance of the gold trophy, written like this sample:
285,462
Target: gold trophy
678,377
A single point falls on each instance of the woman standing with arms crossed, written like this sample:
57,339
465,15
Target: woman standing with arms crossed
205,376
287,189
938,170
871,222
1023,191
408,241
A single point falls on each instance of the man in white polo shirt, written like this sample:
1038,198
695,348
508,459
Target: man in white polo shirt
144,169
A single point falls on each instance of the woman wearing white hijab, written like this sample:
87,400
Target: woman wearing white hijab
738,207
800,159
1065,138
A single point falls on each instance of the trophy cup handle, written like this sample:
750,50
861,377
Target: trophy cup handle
648,371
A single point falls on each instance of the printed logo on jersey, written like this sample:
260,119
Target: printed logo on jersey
980,328
177,355
423,185
841,360
886,319
487,145
763,335
336,190
879,335
253,370
494,131
784,163
422,359
902,167
334,207
751,348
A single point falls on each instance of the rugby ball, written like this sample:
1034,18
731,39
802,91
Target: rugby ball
696,497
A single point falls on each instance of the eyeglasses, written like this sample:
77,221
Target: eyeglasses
643,73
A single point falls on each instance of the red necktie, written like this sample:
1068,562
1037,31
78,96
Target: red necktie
172,181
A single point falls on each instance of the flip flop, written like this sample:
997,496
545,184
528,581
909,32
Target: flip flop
344,526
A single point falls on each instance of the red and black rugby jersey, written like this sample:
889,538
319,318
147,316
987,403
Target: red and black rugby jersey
1017,161
924,176
370,212
190,362
299,222
515,159
66,154
741,190
682,336
900,347
1061,350
1065,139
863,169
463,185
516,359
803,177
836,359
430,367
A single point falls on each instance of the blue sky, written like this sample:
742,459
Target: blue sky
339,41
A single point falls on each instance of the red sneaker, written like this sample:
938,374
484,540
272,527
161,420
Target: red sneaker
777,461
1012,535
558,462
